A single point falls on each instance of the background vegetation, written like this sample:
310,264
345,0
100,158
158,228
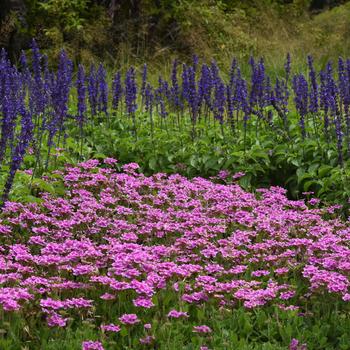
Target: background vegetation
138,30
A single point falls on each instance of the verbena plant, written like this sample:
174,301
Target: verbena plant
122,260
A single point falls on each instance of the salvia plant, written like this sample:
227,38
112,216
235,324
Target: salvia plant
193,95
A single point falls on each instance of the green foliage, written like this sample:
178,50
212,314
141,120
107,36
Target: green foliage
69,15
80,26
324,326
266,156
266,159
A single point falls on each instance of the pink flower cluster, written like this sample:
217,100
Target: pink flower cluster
124,233
202,329
177,314
295,345
92,345
129,319
111,328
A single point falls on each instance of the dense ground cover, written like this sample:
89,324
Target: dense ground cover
122,260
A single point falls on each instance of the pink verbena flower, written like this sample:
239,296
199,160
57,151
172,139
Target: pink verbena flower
202,329
346,297
107,296
56,320
129,319
147,339
111,328
110,161
177,314
143,302
238,175
130,168
78,303
260,273
295,345
92,345
49,303
314,201
223,174
287,295
92,163
281,270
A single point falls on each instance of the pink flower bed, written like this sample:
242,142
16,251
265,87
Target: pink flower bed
125,233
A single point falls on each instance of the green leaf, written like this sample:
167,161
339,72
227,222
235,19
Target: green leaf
295,162
200,313
308,184
245,181
313,167
152,163
43,185
123,332
300,172
31,199
100,156
193,161
303,177
324,170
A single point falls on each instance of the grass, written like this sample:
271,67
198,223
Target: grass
268,329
